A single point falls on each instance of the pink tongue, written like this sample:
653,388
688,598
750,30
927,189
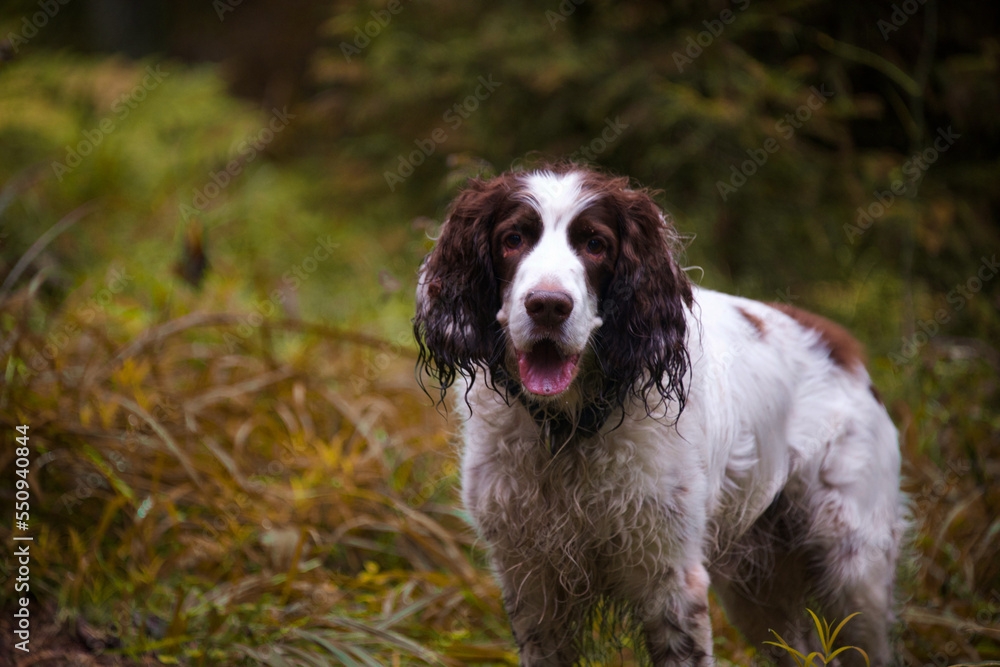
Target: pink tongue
544,370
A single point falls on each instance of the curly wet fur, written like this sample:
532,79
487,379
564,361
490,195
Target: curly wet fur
641,343
585,526
733,439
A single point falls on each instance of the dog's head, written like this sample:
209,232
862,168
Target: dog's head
553,279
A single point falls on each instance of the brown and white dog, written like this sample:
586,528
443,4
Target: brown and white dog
630,439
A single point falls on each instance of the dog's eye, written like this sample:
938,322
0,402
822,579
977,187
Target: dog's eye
595,246
512,241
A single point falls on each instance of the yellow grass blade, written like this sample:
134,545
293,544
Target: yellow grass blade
848,648
819,631
815,654
798,657
839,628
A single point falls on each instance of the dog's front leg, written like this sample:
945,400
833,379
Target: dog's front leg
676,622
541,616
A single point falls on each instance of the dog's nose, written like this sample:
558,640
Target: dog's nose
548,308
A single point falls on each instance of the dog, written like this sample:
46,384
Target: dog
631,439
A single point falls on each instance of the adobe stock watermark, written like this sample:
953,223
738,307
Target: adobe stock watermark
762,321
58,337
931,494
446,479
957,298
454,117
566,9
987,619
912,169
609,135
901,13
697,44
291,281
381,18
379,362
30,26
244,151
121,108
786,128
223,7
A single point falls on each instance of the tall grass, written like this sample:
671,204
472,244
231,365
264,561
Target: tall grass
207,493
211,505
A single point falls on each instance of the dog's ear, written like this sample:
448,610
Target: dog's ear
457,293
643,338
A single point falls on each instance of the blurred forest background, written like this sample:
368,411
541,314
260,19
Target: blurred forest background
212,212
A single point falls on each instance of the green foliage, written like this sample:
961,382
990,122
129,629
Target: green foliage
693,112
146,175
244,472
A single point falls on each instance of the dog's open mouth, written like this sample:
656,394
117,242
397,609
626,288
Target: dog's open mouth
545,370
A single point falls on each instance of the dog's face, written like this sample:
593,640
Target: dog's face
538,275
554,257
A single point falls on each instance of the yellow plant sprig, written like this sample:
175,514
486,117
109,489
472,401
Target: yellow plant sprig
826,639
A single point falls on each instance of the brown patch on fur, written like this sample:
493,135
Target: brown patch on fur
642,340
455,320
597,222
524,222
844,349
874,391
642,292
698,609
757,323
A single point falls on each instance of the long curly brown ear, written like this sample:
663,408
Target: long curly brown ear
642,343
457,293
